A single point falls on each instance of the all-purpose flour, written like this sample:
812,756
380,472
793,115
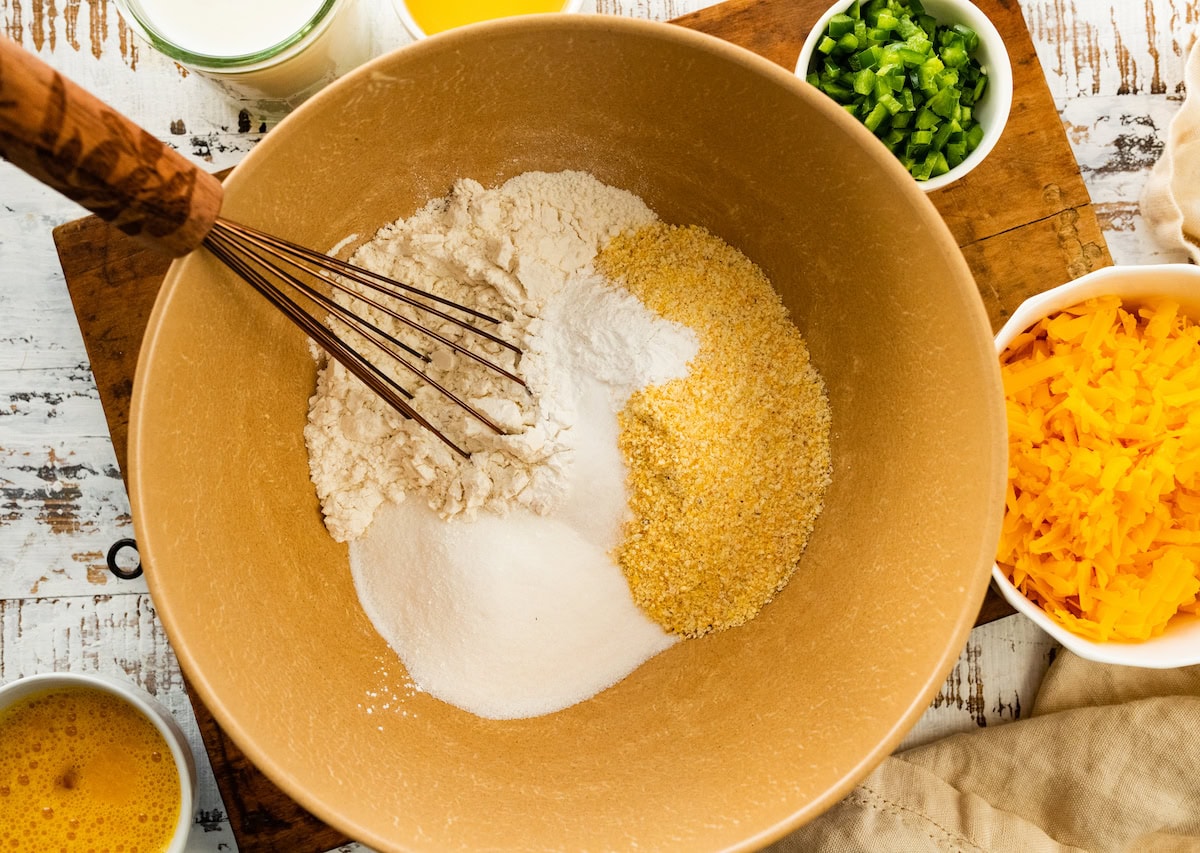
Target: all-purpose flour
492,577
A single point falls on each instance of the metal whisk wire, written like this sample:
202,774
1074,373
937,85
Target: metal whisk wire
278,270
78,145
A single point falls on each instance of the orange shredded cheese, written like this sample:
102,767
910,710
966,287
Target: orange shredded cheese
1101,527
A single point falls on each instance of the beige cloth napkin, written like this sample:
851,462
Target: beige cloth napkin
1110,760
1170,202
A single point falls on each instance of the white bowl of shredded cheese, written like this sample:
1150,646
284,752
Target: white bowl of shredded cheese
1098,526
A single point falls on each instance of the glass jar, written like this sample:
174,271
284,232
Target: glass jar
271,53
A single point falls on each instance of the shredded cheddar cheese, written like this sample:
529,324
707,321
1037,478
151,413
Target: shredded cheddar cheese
1102,515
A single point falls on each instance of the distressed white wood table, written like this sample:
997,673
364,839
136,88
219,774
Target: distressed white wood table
1114,68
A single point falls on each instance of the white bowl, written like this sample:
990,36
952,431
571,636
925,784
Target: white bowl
1179,644
993,57
181,752
414,29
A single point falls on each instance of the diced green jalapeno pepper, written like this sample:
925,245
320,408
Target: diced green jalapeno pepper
914,82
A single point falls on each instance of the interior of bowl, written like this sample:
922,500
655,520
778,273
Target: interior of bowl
719,743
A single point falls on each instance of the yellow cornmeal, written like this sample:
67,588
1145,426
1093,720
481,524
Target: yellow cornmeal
728,466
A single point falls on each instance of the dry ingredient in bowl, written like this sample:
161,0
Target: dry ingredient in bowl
491,578
521,614
729,465
496,579
1102,518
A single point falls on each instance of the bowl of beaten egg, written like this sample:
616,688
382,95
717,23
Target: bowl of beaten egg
91,763
1099,543
678,145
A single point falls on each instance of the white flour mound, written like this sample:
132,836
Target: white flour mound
505,251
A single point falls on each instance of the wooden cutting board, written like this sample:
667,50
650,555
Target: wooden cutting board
1023,219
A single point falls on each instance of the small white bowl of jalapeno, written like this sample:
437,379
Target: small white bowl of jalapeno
930,78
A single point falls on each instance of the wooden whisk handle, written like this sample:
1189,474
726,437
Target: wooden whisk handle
72,141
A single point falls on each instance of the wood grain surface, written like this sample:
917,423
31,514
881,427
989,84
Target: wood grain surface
113,280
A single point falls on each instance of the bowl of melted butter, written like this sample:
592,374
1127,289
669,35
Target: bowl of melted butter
91,763
423,18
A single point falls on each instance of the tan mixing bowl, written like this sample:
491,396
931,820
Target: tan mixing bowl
720,743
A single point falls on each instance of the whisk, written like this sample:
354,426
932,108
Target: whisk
71,141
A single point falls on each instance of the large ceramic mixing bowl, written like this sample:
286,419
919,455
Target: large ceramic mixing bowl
724,742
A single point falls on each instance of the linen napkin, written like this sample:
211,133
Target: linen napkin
1109,761
1170,202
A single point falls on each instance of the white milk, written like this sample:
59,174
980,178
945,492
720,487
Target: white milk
227,27
207,35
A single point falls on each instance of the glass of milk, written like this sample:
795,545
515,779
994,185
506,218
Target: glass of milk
271,53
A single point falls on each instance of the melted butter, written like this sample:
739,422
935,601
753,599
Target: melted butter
81,769
434,16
